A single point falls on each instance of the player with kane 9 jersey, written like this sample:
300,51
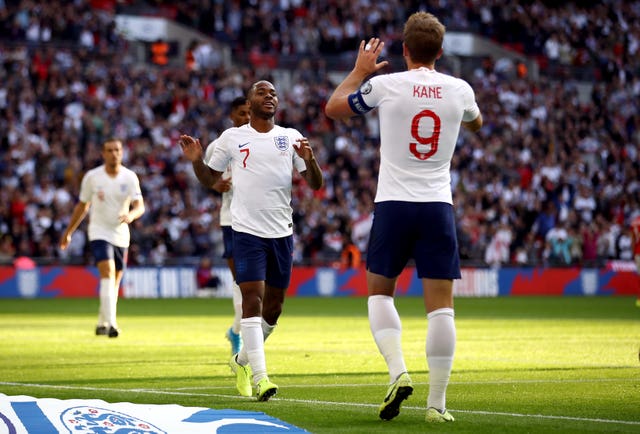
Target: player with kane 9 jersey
421,112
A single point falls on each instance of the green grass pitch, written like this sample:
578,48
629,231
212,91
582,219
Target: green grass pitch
534,365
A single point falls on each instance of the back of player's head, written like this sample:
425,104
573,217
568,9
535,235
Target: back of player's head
423,36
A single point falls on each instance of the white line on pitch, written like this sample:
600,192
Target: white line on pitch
315,402
576,380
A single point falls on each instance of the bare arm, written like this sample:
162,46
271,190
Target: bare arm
338,105
192,149
222,185
79,212
473,125
205,174
312,174
136,211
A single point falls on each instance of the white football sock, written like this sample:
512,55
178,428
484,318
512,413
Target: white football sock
237,308
107,310
253,348
387,332
440,347
267,329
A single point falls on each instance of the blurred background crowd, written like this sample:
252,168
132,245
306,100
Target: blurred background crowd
553,177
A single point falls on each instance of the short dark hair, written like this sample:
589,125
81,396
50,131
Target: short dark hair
238,101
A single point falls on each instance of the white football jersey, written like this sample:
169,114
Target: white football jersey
109,197
420,113
225,207
262,165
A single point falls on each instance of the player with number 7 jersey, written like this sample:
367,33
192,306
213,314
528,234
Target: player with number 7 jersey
262,156
265,209
421,111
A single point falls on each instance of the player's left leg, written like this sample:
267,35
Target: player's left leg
278,277
440,344
252,352
250,256
271,310
120,264
437,264
104,254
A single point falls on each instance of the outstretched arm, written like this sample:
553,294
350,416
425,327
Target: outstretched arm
366,64
192,149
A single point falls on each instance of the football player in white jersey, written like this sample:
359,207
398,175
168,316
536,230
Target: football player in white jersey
262,156
112,194
239,115
420,111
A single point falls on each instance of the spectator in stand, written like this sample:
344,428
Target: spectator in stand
208,282
558,245
7,250
107,93
624,244
584,202
589,234
498,250
545,221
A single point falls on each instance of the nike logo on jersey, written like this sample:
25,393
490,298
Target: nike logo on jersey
243,145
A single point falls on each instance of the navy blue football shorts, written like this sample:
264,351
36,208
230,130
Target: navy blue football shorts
103,251
424,231
268,259
227,240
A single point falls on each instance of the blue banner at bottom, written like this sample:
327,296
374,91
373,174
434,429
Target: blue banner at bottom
28,415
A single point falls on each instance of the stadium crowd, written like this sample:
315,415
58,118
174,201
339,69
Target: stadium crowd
553,176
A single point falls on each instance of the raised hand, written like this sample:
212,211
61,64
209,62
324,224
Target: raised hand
191,147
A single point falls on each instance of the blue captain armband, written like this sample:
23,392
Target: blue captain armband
357,104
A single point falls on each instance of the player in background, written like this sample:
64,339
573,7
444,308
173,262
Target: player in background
112,195
239,115
262,156
635,239
421,111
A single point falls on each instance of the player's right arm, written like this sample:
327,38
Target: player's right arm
338,106
222,185
473,125
79,211
472,117
192,149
